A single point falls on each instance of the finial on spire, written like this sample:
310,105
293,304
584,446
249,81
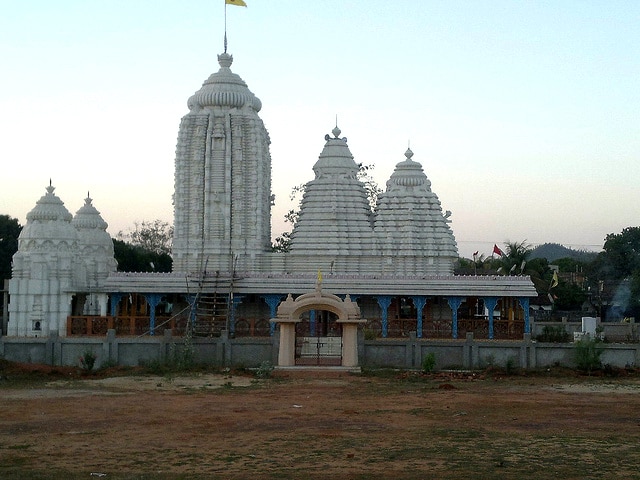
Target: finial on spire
408,154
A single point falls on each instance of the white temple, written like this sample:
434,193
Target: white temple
396,260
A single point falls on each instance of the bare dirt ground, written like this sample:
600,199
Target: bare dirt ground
55,423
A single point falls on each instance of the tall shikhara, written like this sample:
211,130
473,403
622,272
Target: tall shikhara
222,204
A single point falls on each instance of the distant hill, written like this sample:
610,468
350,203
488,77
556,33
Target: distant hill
554,251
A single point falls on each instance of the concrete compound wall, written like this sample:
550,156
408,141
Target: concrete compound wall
406,353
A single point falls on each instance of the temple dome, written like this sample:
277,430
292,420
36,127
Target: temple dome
48,221
92,229
335,158
94,242
408,174
224,89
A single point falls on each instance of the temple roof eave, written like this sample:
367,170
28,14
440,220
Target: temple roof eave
445,286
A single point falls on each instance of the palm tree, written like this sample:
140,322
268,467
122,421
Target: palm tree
514,261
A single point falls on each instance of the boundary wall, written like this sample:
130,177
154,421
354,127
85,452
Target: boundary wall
405,353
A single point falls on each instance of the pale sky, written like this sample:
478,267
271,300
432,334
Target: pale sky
524,114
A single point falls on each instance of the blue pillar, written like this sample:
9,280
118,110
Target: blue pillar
490,304
419,302
524,303
384,301
237,300
312,323
273,300
114,300
153,299
454,304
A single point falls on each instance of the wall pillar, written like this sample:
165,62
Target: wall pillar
349,344
287,351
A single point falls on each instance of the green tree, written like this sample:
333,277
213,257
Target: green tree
615,274
515,259
10,229
154,236
134,258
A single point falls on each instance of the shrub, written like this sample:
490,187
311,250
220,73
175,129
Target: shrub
429,362
88,360
264,370
588,352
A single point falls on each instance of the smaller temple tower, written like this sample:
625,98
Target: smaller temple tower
410,225
60,264
335,217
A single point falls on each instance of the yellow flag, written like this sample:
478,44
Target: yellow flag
239,3
554,280
319,276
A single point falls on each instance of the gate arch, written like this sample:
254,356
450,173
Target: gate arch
290,311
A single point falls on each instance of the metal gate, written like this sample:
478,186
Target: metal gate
319,351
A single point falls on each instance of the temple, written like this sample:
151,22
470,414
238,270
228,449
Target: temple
353,270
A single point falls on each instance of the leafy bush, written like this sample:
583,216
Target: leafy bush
88,360
370,334
588,352
429,362
264,370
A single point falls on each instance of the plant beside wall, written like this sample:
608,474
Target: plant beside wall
429,362
587,353
88,361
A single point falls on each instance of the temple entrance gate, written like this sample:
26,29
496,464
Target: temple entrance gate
338,322
319,339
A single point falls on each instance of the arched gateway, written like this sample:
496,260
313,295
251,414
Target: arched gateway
290,313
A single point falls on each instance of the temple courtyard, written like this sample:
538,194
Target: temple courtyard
56,422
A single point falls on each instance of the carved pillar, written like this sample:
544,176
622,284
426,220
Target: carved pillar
273,300
384,301
490,304
419,302
524,303
454,304
114,300
153,299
